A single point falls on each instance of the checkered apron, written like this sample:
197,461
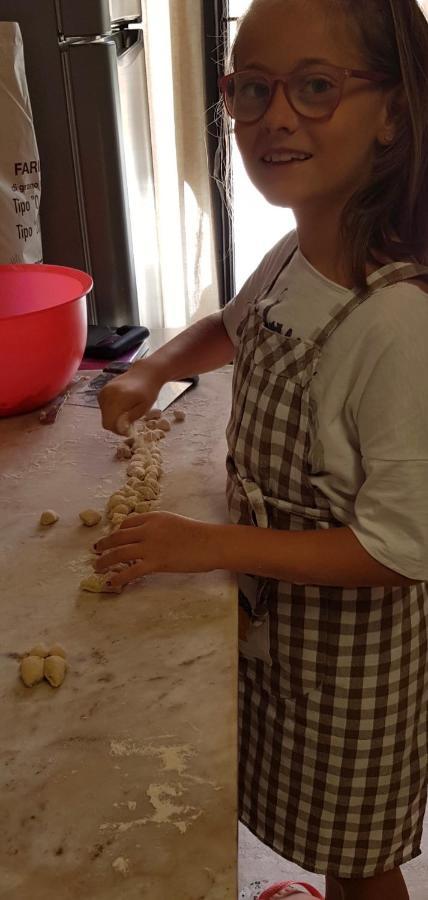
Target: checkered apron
333,681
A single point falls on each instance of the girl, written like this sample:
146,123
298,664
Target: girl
328,441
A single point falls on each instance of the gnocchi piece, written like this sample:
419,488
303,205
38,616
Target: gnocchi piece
179,415
127,491
115,500
48,517
154,413
152,470
141,473
132,469
31,670
153,485
117,520
143,507
54,670
164,425
97,584
121,510
57,650
148,493
90,517
38,650
124,452
134,484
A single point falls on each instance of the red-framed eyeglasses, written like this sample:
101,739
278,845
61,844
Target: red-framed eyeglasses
313,92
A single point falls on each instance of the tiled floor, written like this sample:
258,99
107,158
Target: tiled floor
258,863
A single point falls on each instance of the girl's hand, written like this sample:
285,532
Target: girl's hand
159,542
128,397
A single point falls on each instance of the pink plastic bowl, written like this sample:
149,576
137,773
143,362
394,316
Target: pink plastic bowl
43,330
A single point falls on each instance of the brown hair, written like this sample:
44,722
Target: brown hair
387,218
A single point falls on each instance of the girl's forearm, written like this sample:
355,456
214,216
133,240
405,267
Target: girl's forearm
332,557
202,347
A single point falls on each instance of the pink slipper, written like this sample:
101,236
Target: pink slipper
293,889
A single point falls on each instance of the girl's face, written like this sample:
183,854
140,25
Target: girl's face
276,38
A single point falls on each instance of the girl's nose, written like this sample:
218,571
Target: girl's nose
280,114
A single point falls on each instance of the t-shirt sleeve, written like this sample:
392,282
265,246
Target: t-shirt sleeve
235,310
391,507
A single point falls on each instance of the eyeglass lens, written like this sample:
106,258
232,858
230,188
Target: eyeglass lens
312,93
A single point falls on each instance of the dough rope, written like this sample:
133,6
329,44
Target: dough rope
141,489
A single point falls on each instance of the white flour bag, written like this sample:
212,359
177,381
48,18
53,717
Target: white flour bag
20,239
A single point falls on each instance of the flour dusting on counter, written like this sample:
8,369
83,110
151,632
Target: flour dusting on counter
161,797
121,865
174,759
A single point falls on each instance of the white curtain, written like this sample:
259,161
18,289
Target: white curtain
175,67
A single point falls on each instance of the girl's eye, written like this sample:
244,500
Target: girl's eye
248,89
316,85
253,90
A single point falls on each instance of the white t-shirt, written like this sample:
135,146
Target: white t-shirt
369,456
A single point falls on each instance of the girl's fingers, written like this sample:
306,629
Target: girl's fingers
120,579
123,424
129,535
121,554
134,520
125,420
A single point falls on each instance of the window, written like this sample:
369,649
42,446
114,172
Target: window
257,225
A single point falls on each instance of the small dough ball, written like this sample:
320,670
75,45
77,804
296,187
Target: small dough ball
121,510
124,452
132,468
179,415
57,650
143,507
118,519
48,517
138,445
142,452
54,670
116,500
31,670
164,425
139,473
90,517
154,413
97,584
38,650
134,484
152,483
147,494
127,491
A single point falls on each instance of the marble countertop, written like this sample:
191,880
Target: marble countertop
122,782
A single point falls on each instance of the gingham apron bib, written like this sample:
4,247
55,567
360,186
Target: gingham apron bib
333,681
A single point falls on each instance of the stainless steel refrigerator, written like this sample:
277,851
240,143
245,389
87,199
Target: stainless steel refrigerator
86,73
